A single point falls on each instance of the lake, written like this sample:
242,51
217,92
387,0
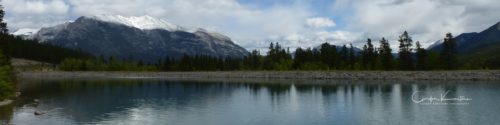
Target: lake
254,102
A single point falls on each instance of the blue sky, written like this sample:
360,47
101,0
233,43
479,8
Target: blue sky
319,7
295,23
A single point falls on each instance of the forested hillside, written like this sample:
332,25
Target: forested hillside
17,47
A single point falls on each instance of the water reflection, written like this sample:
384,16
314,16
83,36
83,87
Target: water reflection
249,102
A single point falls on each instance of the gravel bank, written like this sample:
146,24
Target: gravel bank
6,102
355,75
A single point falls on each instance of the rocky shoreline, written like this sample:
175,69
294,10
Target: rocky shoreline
490,75
6,102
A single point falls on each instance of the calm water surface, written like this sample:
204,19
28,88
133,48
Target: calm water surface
254,103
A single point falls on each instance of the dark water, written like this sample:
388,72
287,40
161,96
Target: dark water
254,103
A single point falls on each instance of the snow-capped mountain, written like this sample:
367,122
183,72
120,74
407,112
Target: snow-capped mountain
141,22
139,38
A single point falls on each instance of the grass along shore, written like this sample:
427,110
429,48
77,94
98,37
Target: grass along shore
492,75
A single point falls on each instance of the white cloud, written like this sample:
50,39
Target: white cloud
35,14
36,7
320,22
248,26
426,20
296,24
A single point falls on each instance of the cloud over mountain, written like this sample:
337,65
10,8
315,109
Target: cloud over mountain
254,24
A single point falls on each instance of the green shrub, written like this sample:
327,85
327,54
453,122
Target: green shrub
314,66
6,85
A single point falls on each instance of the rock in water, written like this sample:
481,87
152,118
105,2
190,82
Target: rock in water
39,113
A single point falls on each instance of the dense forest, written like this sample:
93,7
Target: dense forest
6,78
18,47
7,86
325,57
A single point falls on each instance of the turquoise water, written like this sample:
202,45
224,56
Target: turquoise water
265,102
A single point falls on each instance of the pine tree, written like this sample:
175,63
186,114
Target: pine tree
4,44
298,58
344,57
328,55
253,60
3,25
372,55
369,56
364,57
277,58
385,52
421,57
268,63
405,50
352,57
166,63
449,53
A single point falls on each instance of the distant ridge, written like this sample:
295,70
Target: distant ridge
141,38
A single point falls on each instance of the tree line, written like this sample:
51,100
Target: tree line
331,57
325,57
18,47
7,78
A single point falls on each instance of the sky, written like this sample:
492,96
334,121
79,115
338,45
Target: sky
253,24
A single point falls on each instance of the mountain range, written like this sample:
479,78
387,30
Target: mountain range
141,38
149,39
477,49
471,42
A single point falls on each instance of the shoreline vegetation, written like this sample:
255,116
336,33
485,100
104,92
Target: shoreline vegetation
326,57
486,75
7,80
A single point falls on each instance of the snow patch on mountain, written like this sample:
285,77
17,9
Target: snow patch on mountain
47,33
213,34
25,31
142,22
437,43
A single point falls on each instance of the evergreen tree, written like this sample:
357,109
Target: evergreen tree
253,60
352,57
3,25
449,53
300,58
328,55
165,64
268,63
405,51
277,58
421,57
364,57
385,53
4,44
7,86
371,54
344,57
